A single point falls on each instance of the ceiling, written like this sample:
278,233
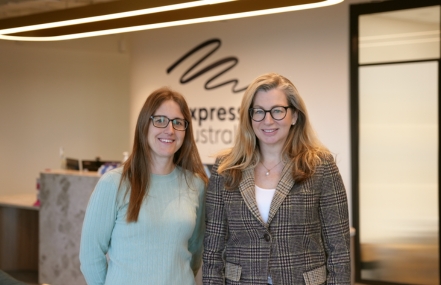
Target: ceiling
15,8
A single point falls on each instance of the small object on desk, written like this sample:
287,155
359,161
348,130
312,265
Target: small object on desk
62,158
107,166
125,156
37,202
72,164
91,165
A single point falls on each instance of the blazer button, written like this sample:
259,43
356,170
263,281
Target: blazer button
267,237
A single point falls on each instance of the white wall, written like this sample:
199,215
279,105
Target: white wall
46,89
310,47
70,94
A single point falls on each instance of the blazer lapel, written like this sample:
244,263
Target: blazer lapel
247,190
283,187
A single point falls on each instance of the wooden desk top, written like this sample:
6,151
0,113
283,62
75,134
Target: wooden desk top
71,172
24,201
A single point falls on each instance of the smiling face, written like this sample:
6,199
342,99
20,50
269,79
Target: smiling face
165,142
270,132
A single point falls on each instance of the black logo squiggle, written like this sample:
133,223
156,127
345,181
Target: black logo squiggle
230,62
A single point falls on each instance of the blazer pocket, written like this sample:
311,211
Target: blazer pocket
315,276
232,271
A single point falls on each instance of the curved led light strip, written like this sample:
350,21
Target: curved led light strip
169,24
112,16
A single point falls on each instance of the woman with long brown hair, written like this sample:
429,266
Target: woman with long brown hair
144,222
276,205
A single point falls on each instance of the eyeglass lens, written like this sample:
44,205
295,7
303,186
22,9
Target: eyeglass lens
277,113
163,121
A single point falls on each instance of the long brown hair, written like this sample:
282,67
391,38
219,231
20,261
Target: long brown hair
302,149
137,169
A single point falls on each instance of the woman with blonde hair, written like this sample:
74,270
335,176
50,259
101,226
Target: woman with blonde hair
276,205
144,223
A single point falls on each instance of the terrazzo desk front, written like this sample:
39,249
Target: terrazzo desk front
64,196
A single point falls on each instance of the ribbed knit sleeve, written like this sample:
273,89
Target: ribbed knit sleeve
195,244
97,229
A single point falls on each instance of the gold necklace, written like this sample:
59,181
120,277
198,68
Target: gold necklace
268,170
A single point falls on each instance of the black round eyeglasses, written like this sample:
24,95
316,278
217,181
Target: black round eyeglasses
277,113
163,121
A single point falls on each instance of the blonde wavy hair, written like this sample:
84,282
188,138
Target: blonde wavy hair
302,149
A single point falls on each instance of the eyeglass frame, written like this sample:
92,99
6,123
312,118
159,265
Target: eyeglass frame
250,110
169,120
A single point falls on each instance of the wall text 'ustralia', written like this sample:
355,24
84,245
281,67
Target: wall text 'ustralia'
215,136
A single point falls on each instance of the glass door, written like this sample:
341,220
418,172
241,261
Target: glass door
395,75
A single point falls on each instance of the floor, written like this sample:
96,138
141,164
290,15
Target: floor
28,277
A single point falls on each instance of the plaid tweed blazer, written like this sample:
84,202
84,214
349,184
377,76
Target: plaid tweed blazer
305,241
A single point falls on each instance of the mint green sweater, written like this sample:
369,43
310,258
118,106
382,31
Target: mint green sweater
163,247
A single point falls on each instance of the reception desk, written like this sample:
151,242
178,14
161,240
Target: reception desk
19,236
64,196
